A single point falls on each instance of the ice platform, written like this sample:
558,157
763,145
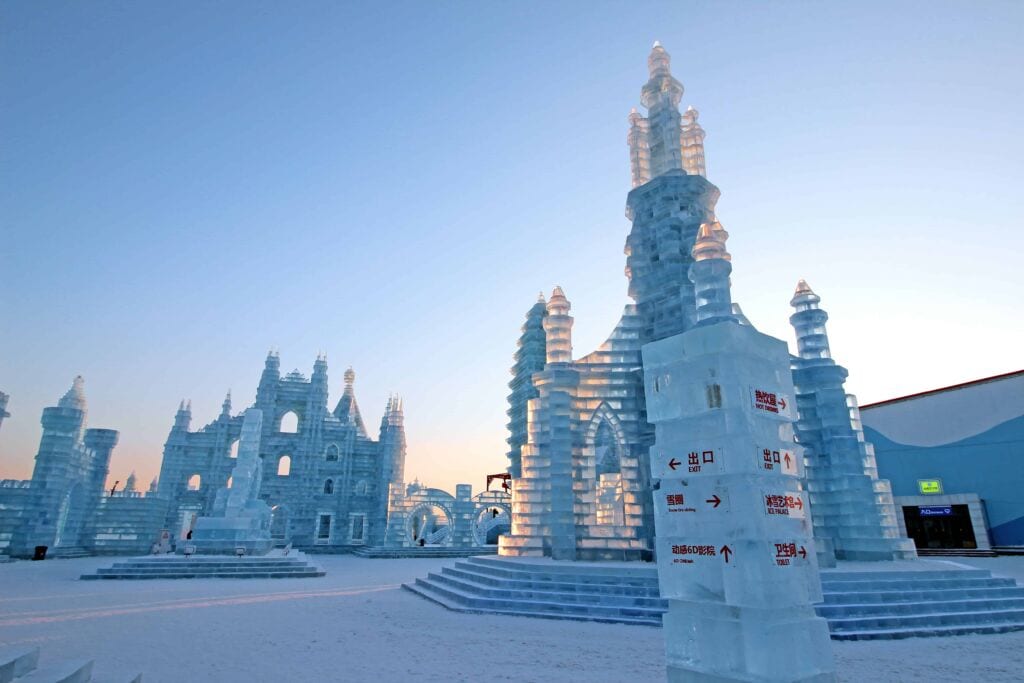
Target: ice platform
272,566
862,600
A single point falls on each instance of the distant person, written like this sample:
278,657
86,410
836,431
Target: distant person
188,536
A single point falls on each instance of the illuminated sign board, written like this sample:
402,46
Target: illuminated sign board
935,510
929,486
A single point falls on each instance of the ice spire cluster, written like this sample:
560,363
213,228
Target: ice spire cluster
664,140
854,511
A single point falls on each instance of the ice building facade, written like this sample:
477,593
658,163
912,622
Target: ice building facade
578,435
325,479
853,510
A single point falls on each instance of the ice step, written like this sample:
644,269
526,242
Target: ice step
592,611
918,608
79,671
468,574
922,584
443,598
17,661
936,619
939,595
610,600
832,575
928,632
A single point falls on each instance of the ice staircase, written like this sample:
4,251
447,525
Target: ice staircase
864,605
384,552
943,599
21,665
276,566
619,593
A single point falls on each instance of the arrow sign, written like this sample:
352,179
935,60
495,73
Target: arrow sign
799,504
673,463
782,403
726,551
803,552
714,500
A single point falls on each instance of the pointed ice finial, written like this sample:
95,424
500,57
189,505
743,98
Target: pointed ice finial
181,406
129,484
656,45
225,409
153,485
710,242
75,396
804,297
350,377
188,406
540,298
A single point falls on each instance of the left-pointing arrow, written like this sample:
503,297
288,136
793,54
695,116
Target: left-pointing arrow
673,463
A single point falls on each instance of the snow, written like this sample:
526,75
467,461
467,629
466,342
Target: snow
357,624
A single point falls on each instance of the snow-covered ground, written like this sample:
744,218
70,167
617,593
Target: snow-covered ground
356,624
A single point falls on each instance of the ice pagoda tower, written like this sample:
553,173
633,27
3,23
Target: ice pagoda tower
853,509
578,438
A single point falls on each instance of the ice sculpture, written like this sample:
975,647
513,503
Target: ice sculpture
854,512
239,518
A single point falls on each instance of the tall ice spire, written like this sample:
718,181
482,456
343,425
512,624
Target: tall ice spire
665,140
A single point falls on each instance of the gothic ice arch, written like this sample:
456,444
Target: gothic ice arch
329,486
332,453
233,451
194,482
605,445
289,423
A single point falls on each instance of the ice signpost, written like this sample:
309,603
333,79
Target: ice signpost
735,555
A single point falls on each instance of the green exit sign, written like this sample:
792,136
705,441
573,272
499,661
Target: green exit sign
929,486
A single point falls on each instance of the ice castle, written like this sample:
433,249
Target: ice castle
579,439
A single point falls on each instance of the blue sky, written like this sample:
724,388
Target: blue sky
184,186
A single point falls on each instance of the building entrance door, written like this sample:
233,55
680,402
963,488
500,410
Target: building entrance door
940,526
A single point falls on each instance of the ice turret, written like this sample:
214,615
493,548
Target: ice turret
691,139
809,323
558,328
710,274
3,407
225,408
392,467
661,96
183,418
853,510
529,358
266,392
130,482
347,409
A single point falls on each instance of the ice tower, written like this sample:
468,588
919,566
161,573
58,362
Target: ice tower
854,513
578,435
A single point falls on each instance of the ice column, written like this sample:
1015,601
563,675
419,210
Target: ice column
735,557
854,512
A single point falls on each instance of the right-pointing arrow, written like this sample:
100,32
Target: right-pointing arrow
714,500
